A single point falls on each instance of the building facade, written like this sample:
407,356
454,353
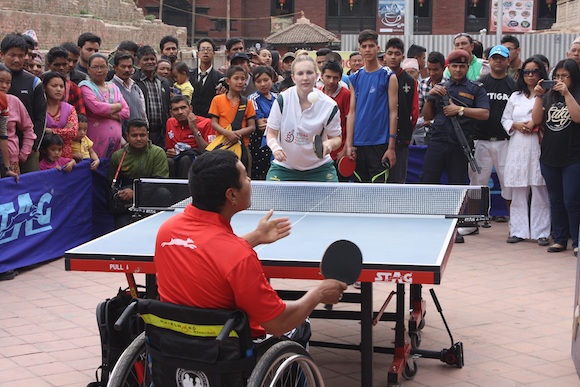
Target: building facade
255,20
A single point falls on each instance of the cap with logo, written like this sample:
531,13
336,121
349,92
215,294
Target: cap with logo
500,50
458,56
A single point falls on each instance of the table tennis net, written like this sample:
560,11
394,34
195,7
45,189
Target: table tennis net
412,199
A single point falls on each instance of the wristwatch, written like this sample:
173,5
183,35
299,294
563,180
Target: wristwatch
197,134
461,111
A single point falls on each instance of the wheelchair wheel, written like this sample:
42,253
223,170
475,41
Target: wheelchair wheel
132,368
285,364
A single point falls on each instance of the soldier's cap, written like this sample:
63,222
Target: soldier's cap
500,50
239,55
458,56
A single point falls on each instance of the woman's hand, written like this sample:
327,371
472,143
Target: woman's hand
561,88
538,89
279,155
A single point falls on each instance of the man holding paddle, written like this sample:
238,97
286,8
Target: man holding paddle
201,262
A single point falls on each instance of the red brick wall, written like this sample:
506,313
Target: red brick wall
313,10
256,24
448,17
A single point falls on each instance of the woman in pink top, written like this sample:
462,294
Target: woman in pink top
105,108
61,117
17,118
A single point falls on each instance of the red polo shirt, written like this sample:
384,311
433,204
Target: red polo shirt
201,263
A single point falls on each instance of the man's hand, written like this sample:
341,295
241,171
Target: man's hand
438,90
270,230
171,153
261,123
391,155
126,194
231,137
192,121
330,291
451,109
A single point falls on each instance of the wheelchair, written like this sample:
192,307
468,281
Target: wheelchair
192,347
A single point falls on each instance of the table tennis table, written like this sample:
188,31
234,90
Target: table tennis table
400,243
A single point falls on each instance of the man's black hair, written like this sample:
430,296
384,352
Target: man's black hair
368,35
145,50
13,41
477,48
71,48
415,51
210,176
233,41
122,55
179,98
88,37
436,57
510,39
395,43
323,52
206,40
355,53
331,65
137,123
128,45
55,52
167,39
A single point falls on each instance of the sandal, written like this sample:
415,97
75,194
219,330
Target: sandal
556,248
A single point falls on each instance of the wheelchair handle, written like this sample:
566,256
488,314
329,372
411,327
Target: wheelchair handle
225,332
129,310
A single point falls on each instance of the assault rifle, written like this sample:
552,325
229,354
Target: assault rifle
461,138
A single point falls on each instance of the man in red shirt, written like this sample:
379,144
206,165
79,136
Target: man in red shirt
201,262
331,76
186,136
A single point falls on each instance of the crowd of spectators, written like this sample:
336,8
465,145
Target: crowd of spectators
75,103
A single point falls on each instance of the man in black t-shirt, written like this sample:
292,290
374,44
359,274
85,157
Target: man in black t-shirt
491,139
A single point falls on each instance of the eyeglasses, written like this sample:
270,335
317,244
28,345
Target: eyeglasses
99,68
206,49
561,76
532,72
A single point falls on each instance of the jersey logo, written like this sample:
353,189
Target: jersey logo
180,242
406,88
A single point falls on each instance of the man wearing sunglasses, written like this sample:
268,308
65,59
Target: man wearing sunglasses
477,66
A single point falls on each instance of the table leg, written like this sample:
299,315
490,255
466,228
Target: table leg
366,333
402,348
416,318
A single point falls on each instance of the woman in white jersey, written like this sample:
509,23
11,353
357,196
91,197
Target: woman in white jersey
300,113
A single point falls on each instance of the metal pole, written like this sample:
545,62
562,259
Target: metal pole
409,18
228,20
499,27
192,23
161,10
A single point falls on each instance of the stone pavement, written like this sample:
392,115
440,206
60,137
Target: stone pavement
510,305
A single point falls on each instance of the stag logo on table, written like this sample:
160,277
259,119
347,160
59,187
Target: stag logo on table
24,218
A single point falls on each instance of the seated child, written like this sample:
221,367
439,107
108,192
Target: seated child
82,146
182,86
50,154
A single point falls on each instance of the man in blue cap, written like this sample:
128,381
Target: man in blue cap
491,140
469,103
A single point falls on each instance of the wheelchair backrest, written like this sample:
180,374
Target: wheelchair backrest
184,349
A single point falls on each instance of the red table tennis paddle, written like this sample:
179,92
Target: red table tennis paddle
317,145
346,166
341,261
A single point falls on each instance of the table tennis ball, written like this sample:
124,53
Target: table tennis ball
312,97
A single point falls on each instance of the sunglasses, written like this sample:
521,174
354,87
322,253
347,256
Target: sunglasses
531,72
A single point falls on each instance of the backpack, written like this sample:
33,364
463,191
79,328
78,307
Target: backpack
113,342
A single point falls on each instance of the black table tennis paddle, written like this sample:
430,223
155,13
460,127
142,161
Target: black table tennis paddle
317,145
341,261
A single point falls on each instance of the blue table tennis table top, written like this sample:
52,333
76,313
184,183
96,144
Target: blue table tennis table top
386,240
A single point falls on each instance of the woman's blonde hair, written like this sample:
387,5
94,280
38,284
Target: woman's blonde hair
302,58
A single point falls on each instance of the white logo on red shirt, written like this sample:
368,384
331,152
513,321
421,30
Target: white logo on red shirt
180,242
